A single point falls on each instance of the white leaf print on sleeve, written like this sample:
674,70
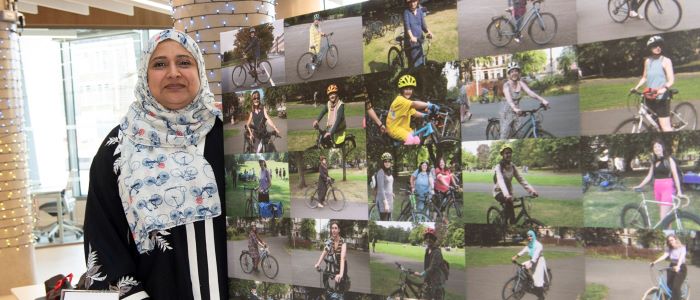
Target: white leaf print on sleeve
93,269
124,285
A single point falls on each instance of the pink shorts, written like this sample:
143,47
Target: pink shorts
664,190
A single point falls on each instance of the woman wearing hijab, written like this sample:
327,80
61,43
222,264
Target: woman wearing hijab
154,225
385,188
536,262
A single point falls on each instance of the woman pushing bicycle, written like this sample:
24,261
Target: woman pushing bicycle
334,254
265,182
398,121
335,123
323,180
414,26
254,243
385,188
513,91
676,274
258,121
433,273
659,78
504,172
536,262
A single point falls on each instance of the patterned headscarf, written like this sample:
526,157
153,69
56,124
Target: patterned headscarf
531,244
164,179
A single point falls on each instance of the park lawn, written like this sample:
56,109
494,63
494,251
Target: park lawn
297,111
606,93
604,209
534,177
354,189
443,48
595,291
300,140
236,198
551,212
385,280
416,253
558,90
228,133
493,256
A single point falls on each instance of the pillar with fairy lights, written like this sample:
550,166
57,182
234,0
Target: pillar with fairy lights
205,20
16,218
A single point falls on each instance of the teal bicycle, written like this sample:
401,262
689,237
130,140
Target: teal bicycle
662,291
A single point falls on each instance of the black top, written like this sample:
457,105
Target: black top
164,272
259,122
662,169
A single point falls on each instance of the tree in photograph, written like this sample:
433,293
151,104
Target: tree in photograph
308,229
531,62
483,152
263,32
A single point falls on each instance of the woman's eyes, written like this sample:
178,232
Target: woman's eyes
163,64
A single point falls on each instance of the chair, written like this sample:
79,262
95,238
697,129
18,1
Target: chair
68,208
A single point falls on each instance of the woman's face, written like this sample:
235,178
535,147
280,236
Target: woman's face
672,241
335,231
442,163
412,4
256,99
387,164
333,97
173,75
656,49
514,74
424,167
658,150
507,154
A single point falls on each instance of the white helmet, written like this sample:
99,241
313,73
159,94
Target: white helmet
513,65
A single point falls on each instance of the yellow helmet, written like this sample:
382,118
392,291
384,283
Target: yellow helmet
504,147
407,80
332,89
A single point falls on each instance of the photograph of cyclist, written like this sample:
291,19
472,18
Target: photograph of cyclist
334,251
427,259
252,57
323,45
323,183
618,19
494,272
530,182
628,263
257,193
423,184
334,130
253,125
488,27
257,249
641,84
618,167
398,120
251,289
258,120
384,179
408,34
537,92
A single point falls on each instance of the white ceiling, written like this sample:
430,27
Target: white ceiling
82,7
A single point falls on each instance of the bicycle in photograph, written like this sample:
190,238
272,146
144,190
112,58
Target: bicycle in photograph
268,263
409,211
531,128
408,288
309,61
266,144
373,29
450,202
496,215
661,290
637,215
683,117
332,290
604,179
321,142
521,283
396,57
335,199
542,26
663,15
251,207
261,73
440,129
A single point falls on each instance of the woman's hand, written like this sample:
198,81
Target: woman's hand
514,258
338,278
545,103
386,205
316,266
533,192
677,268
314,124
661,91
414,39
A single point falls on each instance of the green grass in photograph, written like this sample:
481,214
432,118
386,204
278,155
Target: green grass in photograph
300,140
595,291
228,133
551,212
492,256
355,189
236,198
296,111
558,90
606,93
416,253
534,177
385,280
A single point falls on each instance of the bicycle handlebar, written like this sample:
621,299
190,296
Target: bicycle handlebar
681,200
245,188
405,270
636,92
533,111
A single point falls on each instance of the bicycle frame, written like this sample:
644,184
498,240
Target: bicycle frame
323,51
533,12
405,283
674,211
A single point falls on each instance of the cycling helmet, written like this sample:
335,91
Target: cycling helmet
407,80
655,40
332,88
317,17
504,147
387,156
429,231
513,65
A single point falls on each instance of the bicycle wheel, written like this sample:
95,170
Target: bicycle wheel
264,71
684,117
654,294
249,210
494,216
543,30
663,14
332,56
448,143
306,66
493,130
374,212
685,220
405,211
394,58
418,217
543,134
335,199
619,10
631,125
270,266
633,216
513,289
246,262
238,76
311,197
455,206
500,32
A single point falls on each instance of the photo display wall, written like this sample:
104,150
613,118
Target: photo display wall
465,149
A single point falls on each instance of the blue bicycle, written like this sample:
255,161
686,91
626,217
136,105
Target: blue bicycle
662,291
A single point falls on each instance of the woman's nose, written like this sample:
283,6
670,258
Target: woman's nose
173,71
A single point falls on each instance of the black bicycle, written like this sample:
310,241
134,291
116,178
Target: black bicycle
251,208
521,283
332,290
496,215
661,14
407,286
335,199
265,143
323,142
409,211
396,58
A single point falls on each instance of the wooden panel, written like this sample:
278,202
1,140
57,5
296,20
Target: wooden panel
99,19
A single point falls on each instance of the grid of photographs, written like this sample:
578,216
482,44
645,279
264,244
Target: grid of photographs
465,149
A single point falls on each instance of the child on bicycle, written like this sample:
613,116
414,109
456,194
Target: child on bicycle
258,118
677,272
335,123
315,35
504,172
659,78
254,243
513,90
518,8
536,262
433,274
252,51
398,121
414,26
